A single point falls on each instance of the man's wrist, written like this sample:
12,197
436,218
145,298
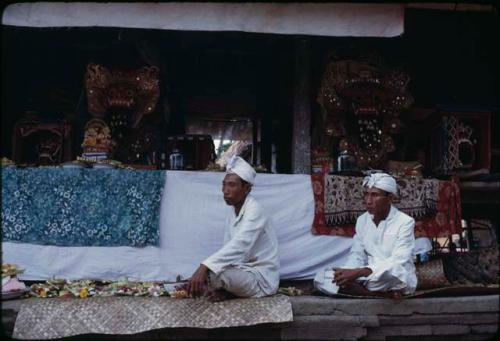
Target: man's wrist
203,268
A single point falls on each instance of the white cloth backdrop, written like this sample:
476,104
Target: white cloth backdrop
322,19
191,228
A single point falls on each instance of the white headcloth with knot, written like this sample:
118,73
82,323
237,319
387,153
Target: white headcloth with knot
381,181
236,165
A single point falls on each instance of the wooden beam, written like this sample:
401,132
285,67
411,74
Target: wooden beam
455,6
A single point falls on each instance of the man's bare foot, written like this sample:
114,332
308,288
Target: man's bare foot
393,294
218,295
355,288
397,294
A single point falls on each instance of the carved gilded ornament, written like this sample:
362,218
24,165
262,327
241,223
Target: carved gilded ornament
361,101
97,137
137,90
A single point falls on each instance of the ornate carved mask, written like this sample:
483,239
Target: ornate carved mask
137,90
361,101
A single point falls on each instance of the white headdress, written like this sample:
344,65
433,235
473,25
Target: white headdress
236,165
381,181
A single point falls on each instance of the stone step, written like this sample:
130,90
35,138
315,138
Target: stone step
326,318
319,305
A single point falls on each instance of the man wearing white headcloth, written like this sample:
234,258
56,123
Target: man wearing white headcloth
248,264
380,262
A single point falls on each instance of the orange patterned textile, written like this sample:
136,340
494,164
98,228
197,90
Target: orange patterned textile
441,219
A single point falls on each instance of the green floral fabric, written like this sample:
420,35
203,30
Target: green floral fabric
81,207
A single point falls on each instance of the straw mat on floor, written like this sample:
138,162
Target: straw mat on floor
453,290
58,317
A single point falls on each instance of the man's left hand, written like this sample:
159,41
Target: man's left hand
197,284
343,276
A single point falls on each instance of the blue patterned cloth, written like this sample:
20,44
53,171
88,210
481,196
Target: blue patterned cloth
81,207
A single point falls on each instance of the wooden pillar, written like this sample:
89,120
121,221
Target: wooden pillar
255,142
301,137
267,138
265,107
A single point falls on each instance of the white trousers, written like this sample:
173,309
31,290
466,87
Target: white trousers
386,283
238,282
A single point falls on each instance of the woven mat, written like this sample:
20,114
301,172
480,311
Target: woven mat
452,290
58,317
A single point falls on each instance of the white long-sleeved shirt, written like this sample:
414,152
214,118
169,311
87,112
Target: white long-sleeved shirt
250,243
386,249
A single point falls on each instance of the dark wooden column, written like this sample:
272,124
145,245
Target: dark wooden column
265,106
301,138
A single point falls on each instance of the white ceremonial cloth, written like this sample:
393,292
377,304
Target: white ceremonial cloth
387,249
191,229
422,245
322,19
249,244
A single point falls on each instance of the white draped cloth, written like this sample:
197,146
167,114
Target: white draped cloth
387,249
322,19
191,229
250,244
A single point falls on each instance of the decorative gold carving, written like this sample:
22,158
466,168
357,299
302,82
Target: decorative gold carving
97,137
137,90
361,101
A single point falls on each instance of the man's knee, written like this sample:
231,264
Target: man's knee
238,282
386,284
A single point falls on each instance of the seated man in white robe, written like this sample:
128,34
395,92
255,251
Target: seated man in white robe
380,262
248,264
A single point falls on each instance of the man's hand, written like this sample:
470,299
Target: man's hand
198,282
343,276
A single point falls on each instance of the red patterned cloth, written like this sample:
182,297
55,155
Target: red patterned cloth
444,221
448,219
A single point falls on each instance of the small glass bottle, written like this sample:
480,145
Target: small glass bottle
346,161
163,161
176,160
